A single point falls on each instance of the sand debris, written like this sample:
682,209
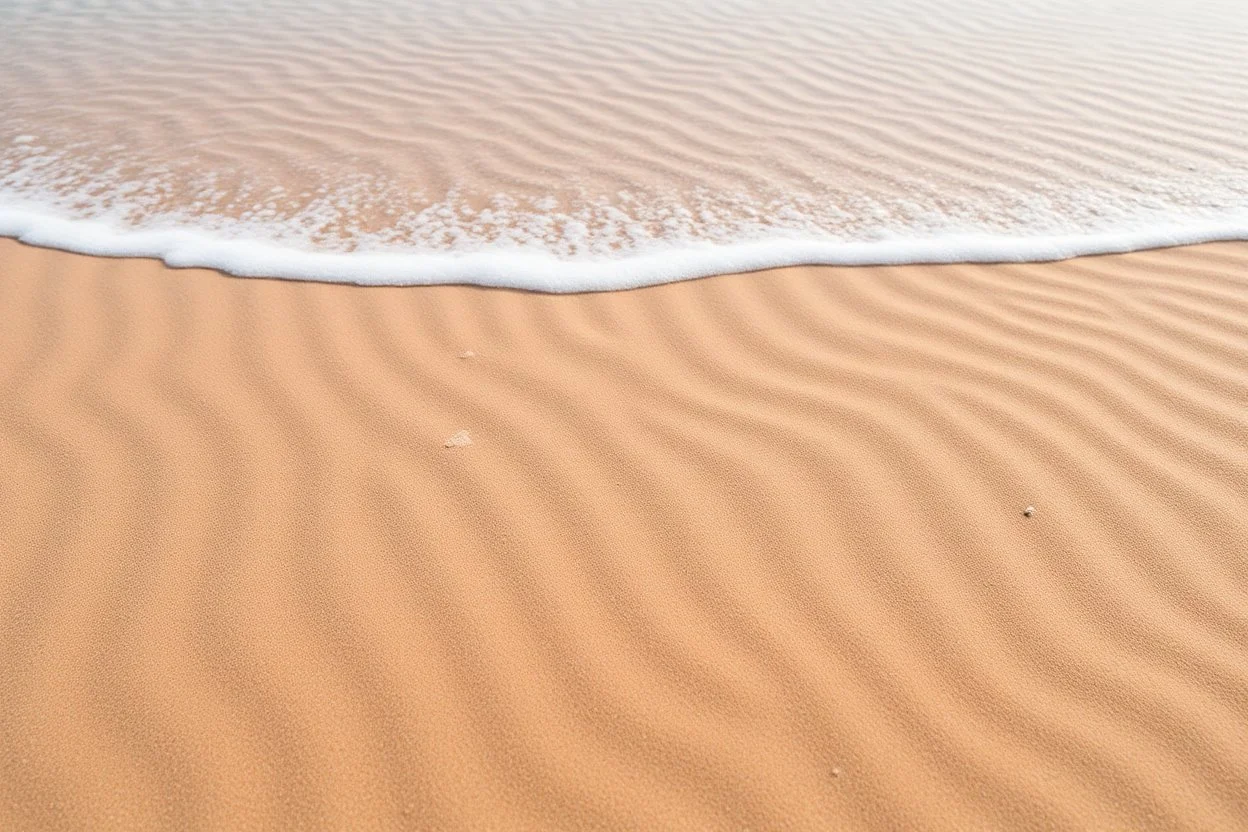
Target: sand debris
459,440
467,354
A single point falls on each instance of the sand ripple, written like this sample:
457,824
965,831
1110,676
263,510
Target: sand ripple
746,552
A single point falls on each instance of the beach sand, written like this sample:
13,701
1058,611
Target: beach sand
747,552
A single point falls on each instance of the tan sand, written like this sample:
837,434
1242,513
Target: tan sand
740,553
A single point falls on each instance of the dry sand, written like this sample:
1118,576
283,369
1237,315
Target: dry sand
741,553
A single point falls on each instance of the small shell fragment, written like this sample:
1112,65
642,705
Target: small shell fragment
459,440
467,354
1030,510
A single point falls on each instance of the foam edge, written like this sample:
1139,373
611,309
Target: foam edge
535,271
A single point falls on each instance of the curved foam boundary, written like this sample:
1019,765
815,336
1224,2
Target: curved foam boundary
185,248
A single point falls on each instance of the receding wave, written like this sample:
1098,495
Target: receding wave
581,145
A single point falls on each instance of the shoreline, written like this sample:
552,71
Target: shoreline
540,272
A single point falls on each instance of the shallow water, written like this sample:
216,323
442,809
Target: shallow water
584,145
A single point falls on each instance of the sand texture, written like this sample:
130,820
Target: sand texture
740,553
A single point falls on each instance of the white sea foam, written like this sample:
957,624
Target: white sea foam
577,145
544,272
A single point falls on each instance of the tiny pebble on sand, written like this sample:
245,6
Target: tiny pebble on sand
459,440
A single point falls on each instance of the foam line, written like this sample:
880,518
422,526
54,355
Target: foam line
518,269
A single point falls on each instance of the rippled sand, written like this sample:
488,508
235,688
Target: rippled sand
593,128
740,553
